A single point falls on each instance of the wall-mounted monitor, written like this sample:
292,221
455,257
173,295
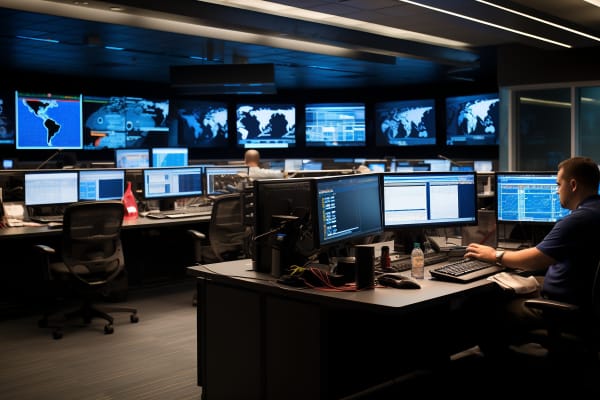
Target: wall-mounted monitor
405,123
48,121
54,188
201,123
124,122
7,118
101,184
348,207
132,158
335,124
265,125
225,178
473,119
426,199
169,156
528,197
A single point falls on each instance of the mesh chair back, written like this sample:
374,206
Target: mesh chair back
226,230
91,242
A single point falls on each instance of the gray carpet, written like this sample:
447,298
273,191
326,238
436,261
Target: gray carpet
153,359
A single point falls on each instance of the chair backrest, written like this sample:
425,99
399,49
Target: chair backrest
227,232
91,242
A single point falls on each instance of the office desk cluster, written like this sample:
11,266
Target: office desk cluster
258,339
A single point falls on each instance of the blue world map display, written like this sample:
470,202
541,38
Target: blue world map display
48,122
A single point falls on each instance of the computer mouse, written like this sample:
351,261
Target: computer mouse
398,280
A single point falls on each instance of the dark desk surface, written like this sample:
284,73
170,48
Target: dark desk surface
138,223
384,298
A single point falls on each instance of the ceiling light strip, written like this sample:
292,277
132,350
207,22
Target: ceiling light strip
540,20
480,21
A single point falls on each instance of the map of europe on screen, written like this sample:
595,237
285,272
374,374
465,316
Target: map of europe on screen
48,122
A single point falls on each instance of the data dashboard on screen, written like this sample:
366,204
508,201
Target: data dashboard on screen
7,118
335,124
132,158
124,122
51,188
426,199
101,184
265,125
348,207
201,123
472,119
528,197
48,121
405,123
172,182
169,156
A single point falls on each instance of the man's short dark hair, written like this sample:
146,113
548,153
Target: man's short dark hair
583,169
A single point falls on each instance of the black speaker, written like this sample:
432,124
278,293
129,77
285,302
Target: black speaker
365,267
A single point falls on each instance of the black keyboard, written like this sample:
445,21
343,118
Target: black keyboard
465,270
402,263
47,218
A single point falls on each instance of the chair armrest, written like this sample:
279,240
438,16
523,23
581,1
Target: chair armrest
196,234
42,248
551,305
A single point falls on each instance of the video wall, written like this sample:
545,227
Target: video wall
37,121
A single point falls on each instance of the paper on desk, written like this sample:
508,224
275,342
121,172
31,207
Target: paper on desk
520,284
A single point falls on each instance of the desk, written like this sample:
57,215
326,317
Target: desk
258,339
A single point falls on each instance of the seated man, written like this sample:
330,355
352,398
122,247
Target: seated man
569,255
252,160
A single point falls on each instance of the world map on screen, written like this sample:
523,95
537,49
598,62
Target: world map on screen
49,123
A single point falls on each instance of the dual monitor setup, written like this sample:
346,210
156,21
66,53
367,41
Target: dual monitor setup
34,121
310,217
167,184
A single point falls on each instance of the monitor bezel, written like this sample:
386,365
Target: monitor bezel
122,151
70,172
431,224
106,171
476,139
329,143
383,108
239,169
190,168
169,150
282,142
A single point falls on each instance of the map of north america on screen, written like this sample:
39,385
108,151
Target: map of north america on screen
49,123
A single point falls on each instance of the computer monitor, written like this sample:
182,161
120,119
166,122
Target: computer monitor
528,197
101,184
429,199
169,156
261,125
348,207
112,122
59,187
201,123
225,178
48,121
169,184
473,119
283,207
335,124
405,123
132,158
7,118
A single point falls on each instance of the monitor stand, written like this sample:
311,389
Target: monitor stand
167,204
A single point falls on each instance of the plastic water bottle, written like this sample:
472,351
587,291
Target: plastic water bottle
417,260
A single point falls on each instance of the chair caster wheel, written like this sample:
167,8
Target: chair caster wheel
108,329
134,318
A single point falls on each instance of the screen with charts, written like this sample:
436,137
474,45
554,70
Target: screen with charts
169,156
414,199
342,218
201,123
48,121
225,178
473,119
405,123
173,182
335,124
132,158
124,122
529,197
58,187
265,125
101,184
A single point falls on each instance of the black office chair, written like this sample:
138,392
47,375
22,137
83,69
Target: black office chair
227,235
572,332
89,261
